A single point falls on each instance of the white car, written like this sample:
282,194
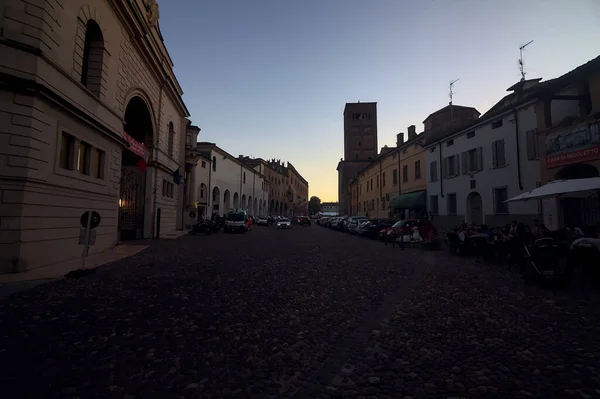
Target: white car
284,224
262,221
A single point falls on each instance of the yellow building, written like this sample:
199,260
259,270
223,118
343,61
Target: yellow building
394,183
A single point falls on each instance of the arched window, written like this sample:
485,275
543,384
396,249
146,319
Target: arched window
93,57
214,164
171,141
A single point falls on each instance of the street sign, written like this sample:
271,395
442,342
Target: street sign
94,221
82,236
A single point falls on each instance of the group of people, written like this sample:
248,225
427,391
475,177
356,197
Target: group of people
505,233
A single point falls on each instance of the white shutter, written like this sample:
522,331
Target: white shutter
501,158
494,154
479,156
456,165
465,162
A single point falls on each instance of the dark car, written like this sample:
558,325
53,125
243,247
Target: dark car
427,230
372,228
303,220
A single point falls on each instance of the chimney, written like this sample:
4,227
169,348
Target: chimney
399,139
412,132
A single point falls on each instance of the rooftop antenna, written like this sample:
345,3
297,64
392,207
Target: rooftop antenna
521,66
451,94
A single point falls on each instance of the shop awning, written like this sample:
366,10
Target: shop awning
416,199
562,188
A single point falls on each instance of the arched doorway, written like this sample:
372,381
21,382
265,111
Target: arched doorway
236,200
216,200
132,190
202,196
226,201
580,212
277,211
250,209
260,208
474,208
272,207
285,209
244,206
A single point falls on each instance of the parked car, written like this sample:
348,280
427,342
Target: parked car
284,223
236,221
426,228
262,221
353,222
372,228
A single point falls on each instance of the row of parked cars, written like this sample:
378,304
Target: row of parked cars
385,229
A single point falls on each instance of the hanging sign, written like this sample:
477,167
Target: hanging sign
136,147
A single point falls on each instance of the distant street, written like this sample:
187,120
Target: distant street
302,313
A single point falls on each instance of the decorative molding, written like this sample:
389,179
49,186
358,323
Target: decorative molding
152,12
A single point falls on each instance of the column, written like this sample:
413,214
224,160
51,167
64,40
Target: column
193,190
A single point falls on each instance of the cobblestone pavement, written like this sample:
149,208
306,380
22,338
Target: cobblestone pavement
302,313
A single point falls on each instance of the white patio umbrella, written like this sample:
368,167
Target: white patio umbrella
573,188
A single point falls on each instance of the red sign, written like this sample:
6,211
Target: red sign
583,155
136,147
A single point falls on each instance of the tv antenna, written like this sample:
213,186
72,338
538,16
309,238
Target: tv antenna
521,65
451,94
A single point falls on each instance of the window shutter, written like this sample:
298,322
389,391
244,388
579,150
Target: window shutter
464,161
495,154
479,156
456,161
501,154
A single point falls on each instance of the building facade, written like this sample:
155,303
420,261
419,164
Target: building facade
288,189
360,147
568,140
329,208
93,119
230,183
476,168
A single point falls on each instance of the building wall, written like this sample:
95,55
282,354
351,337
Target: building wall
489,177
32,126
410,154
559,109
360,131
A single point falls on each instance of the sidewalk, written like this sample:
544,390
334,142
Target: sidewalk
60,269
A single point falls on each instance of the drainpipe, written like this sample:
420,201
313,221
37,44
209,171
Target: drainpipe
209,193
241,183
253,192
441,171
155,151
380,184
399,175
516,116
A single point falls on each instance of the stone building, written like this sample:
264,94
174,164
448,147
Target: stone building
93,119
229,184
568,140
360,147
288,189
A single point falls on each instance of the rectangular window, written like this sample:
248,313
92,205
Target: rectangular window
98,163
204,164
395,177
532,145
383,179
472,161
405,173
500,197
417,169
449,143
433,171
67,151
499,158
497,124
470,135
433,204
377,181
450,167
451,203
84,158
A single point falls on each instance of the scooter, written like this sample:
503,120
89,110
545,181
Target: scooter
205,226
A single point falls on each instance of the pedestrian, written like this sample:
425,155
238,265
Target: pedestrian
250,224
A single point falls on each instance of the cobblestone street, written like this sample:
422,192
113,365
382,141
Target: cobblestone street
302,313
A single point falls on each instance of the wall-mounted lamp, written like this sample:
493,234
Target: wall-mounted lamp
121,203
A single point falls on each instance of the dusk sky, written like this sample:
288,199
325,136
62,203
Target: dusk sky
270,78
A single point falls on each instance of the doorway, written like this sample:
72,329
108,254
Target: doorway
474,208
132,193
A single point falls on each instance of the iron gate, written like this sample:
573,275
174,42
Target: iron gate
128,202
